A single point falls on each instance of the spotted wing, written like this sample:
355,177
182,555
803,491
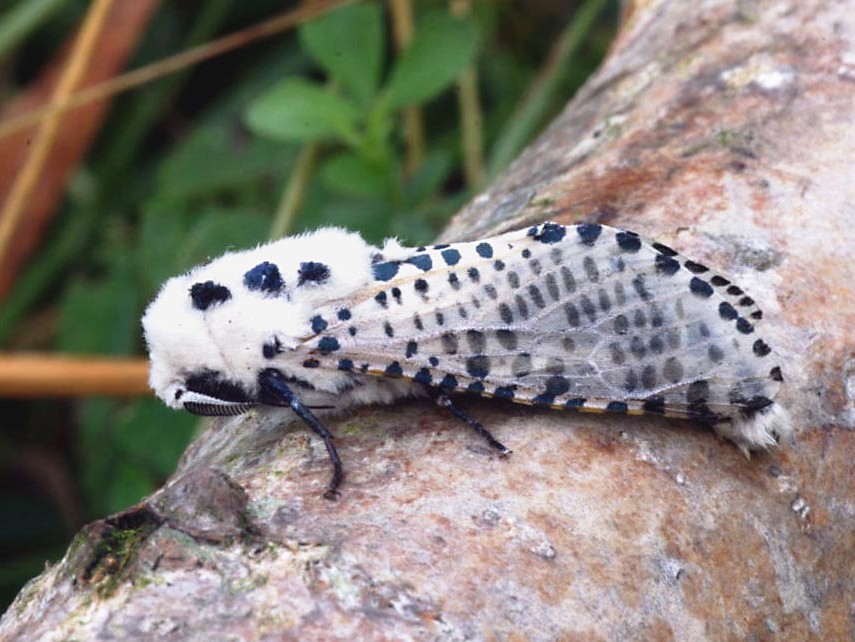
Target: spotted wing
583,316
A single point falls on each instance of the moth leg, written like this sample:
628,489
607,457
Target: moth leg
275,391
444,401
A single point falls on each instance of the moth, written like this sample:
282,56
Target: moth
583,317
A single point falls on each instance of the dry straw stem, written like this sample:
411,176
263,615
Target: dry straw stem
175,63
15,207
35,375
403,26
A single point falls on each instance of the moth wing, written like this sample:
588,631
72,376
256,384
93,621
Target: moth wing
583,316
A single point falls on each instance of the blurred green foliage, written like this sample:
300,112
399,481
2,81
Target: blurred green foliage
197,163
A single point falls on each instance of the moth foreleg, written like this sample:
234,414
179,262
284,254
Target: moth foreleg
444,401
275,391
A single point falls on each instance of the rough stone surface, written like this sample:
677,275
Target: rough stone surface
722,129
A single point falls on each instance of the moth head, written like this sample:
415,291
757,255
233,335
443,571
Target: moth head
212,331
206,334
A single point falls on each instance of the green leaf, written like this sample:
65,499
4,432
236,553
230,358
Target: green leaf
218,157
162,229
348,44
130,484
371,217
428,178
350,175
100,317
440,50
18,22
298,110
221,229
151,435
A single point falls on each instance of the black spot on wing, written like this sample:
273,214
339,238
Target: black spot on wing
664,249
552,286
507,339
450,343
761,348
616,406
319,324
505,392
385,271
412,348
421,261
700,288
753,404
328,344
423,376
549,233
506,314
654,405
451,256
484,250
672,370
695,268
727,311
476,340
698,392
478,366
715,354
591,270
666,265
589,232
648,377
449,382
640,286
744,326
628,241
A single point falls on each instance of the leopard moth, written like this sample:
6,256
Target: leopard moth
583,317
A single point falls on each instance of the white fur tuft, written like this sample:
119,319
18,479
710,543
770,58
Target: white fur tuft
771,426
